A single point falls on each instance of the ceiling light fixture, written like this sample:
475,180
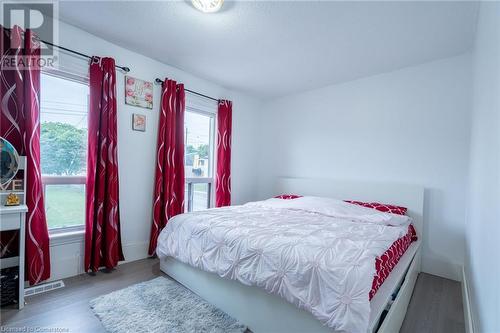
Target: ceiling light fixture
207,6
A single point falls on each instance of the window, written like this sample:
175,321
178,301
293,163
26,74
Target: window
199,127
63,145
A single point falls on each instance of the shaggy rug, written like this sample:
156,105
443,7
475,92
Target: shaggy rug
161,305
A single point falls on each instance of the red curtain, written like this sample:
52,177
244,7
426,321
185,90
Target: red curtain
168,199
102,228
20,124
223,179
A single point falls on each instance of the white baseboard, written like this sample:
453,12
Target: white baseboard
469,322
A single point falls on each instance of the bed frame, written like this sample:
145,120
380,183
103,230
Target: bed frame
263,312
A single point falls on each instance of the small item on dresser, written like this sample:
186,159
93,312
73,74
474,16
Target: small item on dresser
12,200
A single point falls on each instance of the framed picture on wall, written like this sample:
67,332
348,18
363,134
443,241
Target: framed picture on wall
138,92
139,122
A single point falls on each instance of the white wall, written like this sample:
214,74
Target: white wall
408,126
483,221
136,150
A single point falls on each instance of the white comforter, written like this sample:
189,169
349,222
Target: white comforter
316,253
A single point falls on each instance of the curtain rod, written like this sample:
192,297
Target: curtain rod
160,81
123,68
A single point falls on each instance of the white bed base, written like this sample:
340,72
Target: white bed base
263,312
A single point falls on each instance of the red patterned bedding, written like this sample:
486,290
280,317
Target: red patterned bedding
385,264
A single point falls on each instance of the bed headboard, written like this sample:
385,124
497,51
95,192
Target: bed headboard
409,196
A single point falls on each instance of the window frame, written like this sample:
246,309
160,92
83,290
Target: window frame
64,180
208,111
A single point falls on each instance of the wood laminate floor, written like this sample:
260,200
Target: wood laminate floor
436,304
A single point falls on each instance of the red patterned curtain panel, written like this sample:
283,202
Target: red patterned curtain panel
102,228
20,124
168,199
223,179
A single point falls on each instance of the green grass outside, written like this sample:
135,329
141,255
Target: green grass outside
65,205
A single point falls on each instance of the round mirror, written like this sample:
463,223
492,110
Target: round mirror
9,162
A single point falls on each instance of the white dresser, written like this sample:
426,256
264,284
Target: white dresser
14,218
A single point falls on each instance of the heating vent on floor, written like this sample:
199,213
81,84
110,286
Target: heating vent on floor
43,288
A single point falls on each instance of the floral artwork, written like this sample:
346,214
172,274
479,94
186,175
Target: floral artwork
138,92
139,122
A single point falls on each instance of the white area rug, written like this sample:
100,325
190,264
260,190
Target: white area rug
161,305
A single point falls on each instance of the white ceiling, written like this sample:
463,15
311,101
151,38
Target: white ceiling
271,49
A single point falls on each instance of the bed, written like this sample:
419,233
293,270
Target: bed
265,305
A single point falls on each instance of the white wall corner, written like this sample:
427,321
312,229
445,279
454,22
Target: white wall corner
135,251
469,322
67,256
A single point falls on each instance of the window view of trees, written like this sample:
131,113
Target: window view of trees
202,150
63,149
196,160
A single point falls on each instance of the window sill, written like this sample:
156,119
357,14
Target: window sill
66,237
